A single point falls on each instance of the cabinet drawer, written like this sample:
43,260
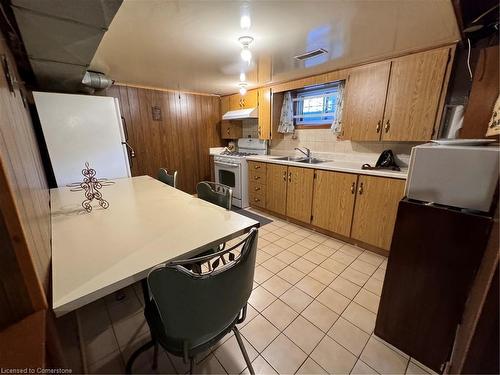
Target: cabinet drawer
257,166
257,199
257,176
256,187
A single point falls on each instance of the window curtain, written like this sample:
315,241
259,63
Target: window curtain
286,118
337,117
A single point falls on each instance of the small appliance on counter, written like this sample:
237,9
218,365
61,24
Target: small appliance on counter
453,175
386,160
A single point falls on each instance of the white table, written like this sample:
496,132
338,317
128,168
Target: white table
147,223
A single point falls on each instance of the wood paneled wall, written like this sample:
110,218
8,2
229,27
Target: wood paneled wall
24,206
189,126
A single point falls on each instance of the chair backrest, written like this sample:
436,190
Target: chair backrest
195,308
215,193
169,179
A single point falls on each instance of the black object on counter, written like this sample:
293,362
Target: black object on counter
386,160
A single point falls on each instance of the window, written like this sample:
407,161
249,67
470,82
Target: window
315,107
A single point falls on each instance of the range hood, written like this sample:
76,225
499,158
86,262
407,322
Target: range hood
241,114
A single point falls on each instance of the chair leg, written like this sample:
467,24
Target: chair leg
243,350
155,355
191,365
133,357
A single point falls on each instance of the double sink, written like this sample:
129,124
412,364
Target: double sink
302,159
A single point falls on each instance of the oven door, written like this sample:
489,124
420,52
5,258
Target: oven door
229,174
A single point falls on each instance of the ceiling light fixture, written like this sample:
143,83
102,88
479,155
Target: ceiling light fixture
243,77
245,21
246,54
243,88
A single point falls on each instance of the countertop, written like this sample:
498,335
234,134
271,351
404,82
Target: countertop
349,166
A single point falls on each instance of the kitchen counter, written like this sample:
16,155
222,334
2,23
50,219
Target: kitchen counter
348,166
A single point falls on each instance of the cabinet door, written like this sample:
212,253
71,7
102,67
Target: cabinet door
365,94
235,102
276,183
333,202
265,113
375,210
413,96
224,105
231,130
299,193
250,99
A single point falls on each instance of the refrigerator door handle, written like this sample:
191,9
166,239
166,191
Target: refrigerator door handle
125,130
130,152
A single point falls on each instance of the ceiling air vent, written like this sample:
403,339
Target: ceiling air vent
311,54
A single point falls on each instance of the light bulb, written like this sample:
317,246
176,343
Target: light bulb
243,90
245,22
243,77
246,55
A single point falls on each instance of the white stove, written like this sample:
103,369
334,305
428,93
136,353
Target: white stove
231,168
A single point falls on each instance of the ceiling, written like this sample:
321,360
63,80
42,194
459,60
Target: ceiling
61,37
193,45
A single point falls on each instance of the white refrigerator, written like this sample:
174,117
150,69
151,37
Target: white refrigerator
83,128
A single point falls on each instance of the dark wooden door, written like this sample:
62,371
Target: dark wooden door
434,256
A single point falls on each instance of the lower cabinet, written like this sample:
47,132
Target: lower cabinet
357,206
375,210
333,204
299,193
276,184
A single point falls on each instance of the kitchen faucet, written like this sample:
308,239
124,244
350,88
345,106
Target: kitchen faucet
306,153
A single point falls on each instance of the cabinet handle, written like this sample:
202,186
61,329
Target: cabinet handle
256,200
353,188
289,176
257,166
360,189
284,176
256,177
387,126
379,124
228,131
257,189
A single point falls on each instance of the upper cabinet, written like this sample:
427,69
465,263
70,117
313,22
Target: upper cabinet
264,122
413,96
237,101
364,102
396,100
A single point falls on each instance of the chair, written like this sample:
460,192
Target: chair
215,193
169,179
188,312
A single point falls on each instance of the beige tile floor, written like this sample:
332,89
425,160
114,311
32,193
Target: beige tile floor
312,311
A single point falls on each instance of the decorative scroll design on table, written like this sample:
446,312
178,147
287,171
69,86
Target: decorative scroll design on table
91,186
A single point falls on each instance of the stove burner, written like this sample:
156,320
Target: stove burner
236,153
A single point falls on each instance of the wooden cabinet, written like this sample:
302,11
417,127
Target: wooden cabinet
351,205
398,100
413,96
225,105
364,102
299,193
333,204
257,183
264,122
231,129
237,101
375,210
276,188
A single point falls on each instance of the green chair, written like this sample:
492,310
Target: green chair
188,312
169,179
215,193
